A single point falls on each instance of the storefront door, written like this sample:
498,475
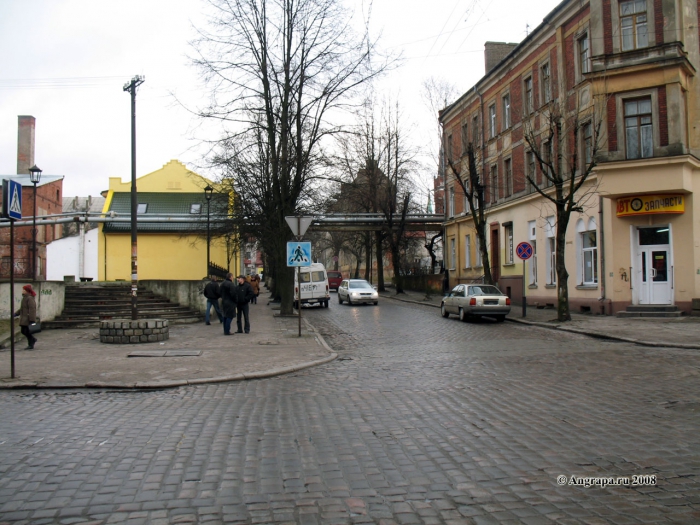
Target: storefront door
654,270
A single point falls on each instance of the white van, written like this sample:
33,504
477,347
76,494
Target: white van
314,285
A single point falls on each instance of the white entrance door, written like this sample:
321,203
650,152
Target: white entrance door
654,268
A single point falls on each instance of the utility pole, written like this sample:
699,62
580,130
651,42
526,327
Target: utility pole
131,88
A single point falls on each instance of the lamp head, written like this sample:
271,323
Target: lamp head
208,192
35,174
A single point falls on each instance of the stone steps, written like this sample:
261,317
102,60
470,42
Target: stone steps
651,311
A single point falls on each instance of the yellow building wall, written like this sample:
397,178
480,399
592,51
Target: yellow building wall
160,255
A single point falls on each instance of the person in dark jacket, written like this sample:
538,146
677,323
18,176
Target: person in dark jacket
27,314
228,302
244,293
211,292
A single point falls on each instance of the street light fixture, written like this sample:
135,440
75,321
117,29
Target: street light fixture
35,177
208,191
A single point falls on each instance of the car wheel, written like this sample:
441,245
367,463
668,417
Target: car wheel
349,301
340,301
443,311
462,315
376,303
500,318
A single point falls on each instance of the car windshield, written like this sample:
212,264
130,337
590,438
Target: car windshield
484,290
360,284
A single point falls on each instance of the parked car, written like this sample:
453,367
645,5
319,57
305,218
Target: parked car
334,279
356,291
475,300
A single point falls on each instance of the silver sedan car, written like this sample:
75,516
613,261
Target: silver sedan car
356,291
475,300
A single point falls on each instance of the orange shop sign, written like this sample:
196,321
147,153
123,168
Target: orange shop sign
650,204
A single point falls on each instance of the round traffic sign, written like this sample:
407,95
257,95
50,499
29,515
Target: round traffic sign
524,250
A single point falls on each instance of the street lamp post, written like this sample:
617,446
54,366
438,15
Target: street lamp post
35,177
207,195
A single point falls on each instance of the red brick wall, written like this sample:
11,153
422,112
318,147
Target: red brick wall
659,22
607,27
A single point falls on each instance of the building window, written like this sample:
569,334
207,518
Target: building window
633,24
494,183
584,54
589,256
477,247
506,112
453,254
530,171
141,208
508,176
546,84
551,250
451,211
468,251
465,138
587,138
475,129
509,243
195,208
532,230
492,120
449,146
547,168
638,132
527,100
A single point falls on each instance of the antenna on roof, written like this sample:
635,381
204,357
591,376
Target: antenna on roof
527,29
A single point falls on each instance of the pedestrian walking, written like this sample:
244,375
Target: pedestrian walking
212,293
228,302
255,285
244,293
27,314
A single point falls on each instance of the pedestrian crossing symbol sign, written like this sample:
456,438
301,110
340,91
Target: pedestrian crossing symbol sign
11,199
298,254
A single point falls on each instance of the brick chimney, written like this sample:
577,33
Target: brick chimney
25,143
494,52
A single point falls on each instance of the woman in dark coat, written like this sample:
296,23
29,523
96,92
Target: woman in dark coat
27,314
228,302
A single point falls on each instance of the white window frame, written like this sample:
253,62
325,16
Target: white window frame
530,155
532,230
492,121
509,243
584,53
477,249
638,25
645,150
506,111
467,251
508,177
528,100
546,87
551,248
589,253
453,254
451,211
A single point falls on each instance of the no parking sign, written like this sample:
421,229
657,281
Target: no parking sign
524,250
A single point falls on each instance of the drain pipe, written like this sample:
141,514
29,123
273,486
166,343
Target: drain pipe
602,255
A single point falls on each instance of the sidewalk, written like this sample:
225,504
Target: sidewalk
75,357
678,332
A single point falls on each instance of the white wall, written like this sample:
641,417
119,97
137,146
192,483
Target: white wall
62,257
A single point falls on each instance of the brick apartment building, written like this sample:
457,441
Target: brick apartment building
49,201
627,71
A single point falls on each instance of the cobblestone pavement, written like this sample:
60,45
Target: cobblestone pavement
420,420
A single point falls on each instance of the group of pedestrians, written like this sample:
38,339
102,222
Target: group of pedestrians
235,301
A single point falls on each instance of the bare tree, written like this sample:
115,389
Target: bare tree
277,70
564,174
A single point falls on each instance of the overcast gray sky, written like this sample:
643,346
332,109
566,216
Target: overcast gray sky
66,61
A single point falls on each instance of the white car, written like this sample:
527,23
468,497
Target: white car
356,291
475,300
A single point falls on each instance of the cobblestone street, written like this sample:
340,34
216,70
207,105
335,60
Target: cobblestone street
420,420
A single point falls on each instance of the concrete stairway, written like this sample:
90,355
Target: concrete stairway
87,305
650,310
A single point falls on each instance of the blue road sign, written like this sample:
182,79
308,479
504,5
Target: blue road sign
524,250
298,253
11,199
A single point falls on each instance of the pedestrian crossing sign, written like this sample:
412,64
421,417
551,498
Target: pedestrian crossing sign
298,254
11,199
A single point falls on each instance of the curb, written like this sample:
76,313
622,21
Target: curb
155,385
595,335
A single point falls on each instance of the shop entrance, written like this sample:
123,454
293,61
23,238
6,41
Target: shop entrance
654,271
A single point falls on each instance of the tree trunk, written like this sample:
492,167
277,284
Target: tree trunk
396,263
563,312
379,256
368,256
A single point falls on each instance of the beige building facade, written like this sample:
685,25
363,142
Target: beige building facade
626,71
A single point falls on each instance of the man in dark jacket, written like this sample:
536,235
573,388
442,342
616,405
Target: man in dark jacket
244,293
211,292
228,302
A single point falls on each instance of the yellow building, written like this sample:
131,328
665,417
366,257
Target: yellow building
631,66
166,250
